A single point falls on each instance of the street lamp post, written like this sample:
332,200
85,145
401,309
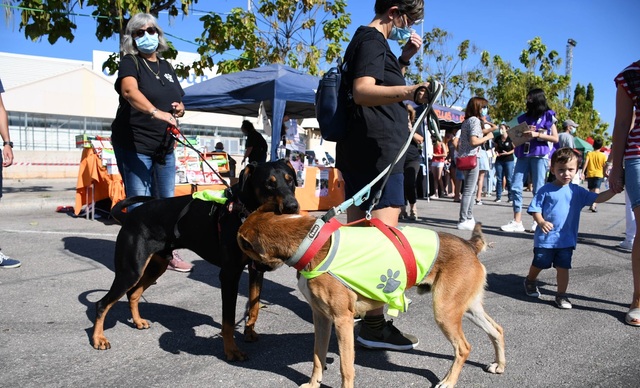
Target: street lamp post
570,45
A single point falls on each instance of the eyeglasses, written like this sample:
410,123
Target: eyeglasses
140,33
411,22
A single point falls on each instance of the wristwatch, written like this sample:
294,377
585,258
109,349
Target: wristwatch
9,143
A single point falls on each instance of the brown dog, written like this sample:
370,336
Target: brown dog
457,280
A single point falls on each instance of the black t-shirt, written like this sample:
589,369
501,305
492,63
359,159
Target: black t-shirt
503,146
259,147
135,130
376,134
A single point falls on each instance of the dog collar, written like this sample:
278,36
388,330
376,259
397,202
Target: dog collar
238,207
313,241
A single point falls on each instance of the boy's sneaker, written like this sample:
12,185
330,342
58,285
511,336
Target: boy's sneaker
7,262
177,264
531,288
512,226
626,245
388,338
497,200
563,302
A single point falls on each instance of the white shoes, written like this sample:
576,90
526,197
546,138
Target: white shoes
467,224
626,245
512,226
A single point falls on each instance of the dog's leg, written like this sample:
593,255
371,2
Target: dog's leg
229,278
155,267
346,346
122,282
461,349
477,315
255,287
100,342
449,308
322,331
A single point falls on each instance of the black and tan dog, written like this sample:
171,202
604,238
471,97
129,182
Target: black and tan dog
457,280
151,232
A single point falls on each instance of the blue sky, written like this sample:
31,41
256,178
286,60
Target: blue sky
605,31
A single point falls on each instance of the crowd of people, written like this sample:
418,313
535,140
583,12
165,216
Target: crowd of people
466,166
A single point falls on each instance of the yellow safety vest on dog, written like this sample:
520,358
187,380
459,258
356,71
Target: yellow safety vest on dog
366,261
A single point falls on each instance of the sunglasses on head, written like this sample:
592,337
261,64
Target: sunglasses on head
140,33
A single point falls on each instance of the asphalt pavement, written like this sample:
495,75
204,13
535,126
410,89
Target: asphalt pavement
47,310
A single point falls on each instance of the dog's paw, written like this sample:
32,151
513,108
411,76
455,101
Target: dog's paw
495,368
101,343
250,335
141,324
236,355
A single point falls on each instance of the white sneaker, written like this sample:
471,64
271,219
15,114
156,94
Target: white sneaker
467,224
512,226
533,227
626,245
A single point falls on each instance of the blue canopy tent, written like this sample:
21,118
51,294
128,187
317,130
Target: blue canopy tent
283,90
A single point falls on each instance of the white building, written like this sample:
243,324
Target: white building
51,100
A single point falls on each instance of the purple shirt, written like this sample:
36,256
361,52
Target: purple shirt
537,148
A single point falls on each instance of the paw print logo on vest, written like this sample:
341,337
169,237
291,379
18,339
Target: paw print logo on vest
389,281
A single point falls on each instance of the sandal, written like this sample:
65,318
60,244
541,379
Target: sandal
633,317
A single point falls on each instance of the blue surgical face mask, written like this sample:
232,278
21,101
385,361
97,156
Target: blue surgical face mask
400,34
484,111
148,43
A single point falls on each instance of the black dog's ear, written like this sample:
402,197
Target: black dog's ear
245,174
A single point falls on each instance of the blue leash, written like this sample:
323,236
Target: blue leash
362,195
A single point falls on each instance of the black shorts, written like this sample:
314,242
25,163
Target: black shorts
392,194
594,183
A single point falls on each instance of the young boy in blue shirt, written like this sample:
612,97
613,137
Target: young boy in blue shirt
556,208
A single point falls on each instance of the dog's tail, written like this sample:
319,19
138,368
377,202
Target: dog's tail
117,211
477,240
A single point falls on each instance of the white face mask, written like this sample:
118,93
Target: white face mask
573,130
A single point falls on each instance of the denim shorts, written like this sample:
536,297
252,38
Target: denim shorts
559,257
594,183
392,194
632,181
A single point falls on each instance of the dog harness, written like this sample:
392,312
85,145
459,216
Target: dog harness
377,264
217,196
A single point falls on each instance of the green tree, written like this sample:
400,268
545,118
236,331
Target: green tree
298,33
583,113
301,34
461,80
508,92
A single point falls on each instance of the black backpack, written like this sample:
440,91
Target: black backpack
334,97
333,103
